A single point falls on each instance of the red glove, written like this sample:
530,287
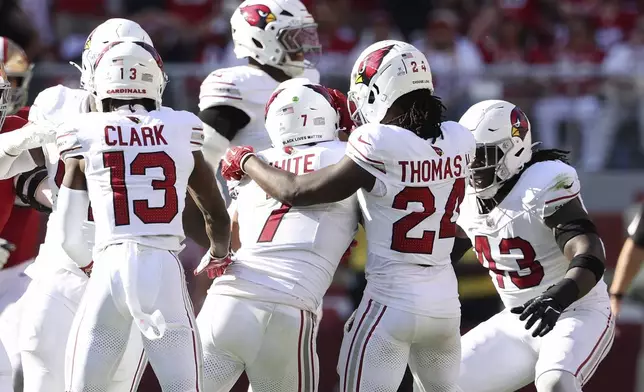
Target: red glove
232,161
347,253
341,106
214,266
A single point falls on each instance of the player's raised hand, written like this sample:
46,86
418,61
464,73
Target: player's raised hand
341,106
544,309
214,266
5,250
233,160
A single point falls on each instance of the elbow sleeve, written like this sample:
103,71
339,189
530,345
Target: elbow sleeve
73,205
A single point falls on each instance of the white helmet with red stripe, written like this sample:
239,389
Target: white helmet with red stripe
110,31
279,33
301,113
384,72
128,70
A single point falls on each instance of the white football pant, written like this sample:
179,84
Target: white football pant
273,343
380,341
48,307
501,346
6,378
134,282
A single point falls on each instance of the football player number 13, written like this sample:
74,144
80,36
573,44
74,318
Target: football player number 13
115,161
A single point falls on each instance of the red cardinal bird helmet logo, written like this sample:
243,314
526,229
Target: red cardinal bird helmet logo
520,123
258,15
369,66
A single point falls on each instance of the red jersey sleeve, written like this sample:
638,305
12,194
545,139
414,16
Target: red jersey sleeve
7,197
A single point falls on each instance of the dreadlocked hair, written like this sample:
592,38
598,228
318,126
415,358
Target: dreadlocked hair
548,155
423,114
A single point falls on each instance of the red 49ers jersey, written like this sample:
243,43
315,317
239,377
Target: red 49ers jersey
137,166
513,241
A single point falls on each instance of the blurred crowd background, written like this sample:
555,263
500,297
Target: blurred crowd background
576,67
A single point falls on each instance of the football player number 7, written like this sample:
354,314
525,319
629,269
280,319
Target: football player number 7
115,161
425,244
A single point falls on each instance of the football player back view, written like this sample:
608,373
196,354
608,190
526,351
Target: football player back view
260,316
135,163
409,169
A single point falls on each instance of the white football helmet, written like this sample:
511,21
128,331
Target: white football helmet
503,144
279,33
5,92
384,72
300,113
110,31
128,70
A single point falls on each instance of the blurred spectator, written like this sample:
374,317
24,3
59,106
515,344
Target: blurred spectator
17,26
572,93
380,28
613,23
337,35
624,91
39,11
455,61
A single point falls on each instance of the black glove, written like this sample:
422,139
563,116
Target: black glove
548,306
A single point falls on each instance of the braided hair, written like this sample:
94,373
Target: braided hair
422,113
547,155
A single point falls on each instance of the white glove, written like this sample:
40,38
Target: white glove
5,251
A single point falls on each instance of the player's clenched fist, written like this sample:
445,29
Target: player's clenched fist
5,250
214,266
233,160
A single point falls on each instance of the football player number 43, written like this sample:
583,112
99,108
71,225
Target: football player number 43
115,161
425,244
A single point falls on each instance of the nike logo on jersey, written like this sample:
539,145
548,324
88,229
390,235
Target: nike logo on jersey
568,186
363,141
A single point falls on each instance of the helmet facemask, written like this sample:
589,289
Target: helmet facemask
488,171
301,47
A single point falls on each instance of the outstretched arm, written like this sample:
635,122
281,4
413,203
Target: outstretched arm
330,184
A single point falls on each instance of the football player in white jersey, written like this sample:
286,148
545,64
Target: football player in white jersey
280,40
409,169
135,164
260,316
58,284
524,214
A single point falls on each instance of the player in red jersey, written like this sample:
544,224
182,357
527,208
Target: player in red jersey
19,222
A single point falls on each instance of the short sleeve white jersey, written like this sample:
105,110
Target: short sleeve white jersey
410,214
247,89
137,165
52,106
290,254
513,241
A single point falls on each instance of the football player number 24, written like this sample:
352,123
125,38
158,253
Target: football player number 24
115,161
423,195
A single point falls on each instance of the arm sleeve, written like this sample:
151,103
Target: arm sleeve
636,228
69,142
